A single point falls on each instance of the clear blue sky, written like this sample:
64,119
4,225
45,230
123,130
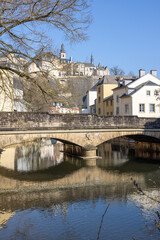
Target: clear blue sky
124,33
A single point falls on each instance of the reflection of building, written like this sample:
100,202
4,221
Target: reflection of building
31,156
113,154
147,150
4,218
7,158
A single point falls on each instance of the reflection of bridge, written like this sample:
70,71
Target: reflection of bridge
83,132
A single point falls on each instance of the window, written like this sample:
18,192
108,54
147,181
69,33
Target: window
111,113
126,108
117,111
99,111
156,92
106,103
148,93
99,90
117,99
141,107
152,107
99,99
111,103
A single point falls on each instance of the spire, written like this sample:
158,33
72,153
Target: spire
62,52
99,65
62,48
92,60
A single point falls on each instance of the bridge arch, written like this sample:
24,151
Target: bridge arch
79,138
136,137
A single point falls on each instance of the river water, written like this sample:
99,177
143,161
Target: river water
45,194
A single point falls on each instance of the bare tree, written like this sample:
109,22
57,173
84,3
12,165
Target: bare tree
23,35
115,70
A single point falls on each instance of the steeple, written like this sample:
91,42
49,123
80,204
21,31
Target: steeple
62,48
99,65
62,52
92,60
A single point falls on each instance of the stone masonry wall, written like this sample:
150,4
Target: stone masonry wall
34,121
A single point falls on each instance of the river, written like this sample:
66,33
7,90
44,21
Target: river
46,194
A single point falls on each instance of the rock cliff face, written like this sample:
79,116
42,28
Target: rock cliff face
79,85
75,88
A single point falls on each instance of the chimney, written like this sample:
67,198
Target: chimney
141,73
154,73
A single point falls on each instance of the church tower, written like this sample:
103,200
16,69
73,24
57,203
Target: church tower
92,60
62,52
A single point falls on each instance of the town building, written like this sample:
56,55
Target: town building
89,101
60,66
104,90
47,64
108,106
60,108
11,93
138,96
63,56
83,69
101,71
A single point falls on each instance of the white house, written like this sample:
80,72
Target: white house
89,100
138,96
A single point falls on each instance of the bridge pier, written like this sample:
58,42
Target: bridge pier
87,152
90,152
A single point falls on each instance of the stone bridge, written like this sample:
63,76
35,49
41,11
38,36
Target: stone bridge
80,133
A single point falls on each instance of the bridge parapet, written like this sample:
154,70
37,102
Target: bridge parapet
37,120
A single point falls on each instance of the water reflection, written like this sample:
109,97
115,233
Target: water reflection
115,153
32,156
45,188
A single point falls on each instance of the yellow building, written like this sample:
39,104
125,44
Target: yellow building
104,90
108,107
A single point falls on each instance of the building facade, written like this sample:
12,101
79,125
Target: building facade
108,106
89,100
104,90
138,97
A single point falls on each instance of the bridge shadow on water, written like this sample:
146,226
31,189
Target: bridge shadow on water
49,174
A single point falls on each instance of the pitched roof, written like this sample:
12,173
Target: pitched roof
136,89
112,79
89,65
142,77
94,88
108,98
